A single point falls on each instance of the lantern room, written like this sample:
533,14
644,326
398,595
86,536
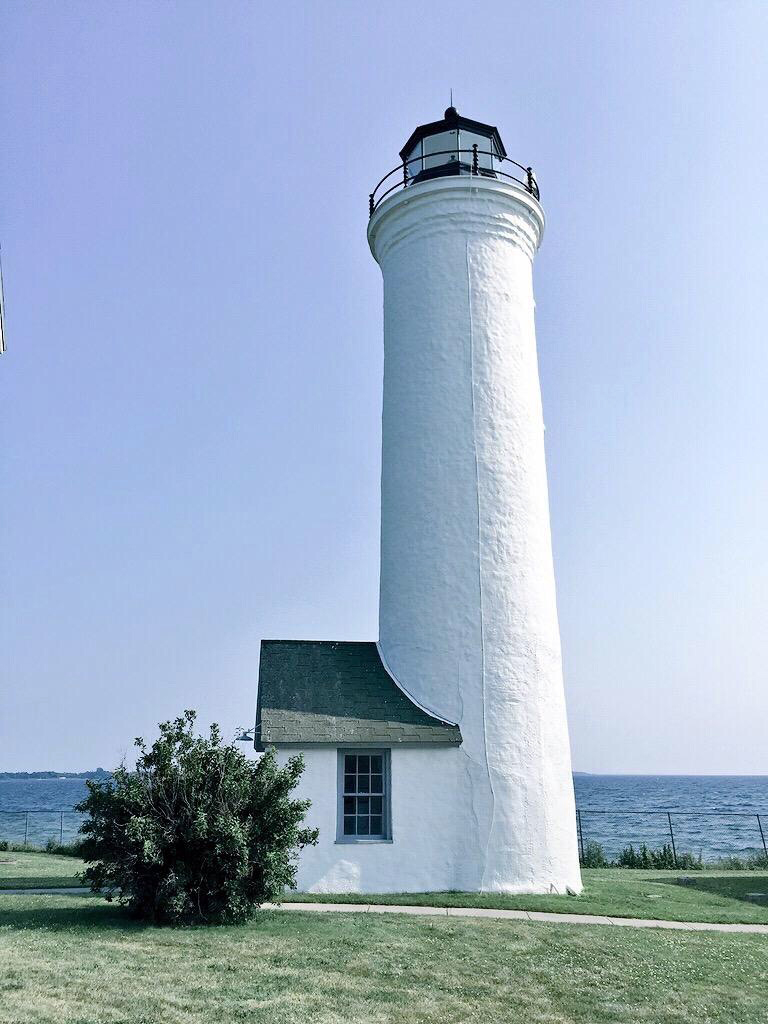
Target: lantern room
454,145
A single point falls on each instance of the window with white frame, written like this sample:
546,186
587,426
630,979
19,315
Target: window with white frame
364,796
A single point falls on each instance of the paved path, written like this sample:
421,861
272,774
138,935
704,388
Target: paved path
507,915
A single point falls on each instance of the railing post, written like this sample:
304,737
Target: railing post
475,162
61,828
405,173
26,828
370,205
672,837
531,181
762,834
581,834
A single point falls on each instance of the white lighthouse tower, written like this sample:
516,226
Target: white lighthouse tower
438,758
468,619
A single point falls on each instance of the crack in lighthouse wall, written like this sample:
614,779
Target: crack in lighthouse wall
468,618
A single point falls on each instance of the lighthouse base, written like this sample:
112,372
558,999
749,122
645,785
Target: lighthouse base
437,842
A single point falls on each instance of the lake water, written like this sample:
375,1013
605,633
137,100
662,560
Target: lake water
712,815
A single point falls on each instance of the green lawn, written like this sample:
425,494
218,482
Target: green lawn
77,959
29,870
712,896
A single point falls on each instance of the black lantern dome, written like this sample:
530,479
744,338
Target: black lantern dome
454,145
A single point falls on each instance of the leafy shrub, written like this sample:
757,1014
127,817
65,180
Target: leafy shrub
3,845
632,858
662,859
752,862
63,849
594,856
198,832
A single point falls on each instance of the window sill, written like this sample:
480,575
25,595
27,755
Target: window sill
361,841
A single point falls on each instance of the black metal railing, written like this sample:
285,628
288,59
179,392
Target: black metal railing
471,166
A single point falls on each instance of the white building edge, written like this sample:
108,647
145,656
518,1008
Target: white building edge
439,758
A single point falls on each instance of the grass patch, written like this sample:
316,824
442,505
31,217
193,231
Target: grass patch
78,959
27,870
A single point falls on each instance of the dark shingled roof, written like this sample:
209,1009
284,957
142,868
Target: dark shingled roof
321,691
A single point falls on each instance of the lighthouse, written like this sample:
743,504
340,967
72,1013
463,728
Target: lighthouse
438,757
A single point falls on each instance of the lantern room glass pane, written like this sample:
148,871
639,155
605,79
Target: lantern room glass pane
413,160
485,148
445,145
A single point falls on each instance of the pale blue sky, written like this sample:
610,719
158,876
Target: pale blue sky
191,393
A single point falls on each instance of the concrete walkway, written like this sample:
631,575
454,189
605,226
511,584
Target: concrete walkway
520,915
505,915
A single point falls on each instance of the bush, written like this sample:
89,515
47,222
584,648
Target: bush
3,845
752,862
663,859
594,856
63,849
198,832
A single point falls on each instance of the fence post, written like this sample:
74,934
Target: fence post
370,205
26,828
672,837
61,828
405,173
762,834
581,834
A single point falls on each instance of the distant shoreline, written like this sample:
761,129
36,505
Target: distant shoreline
99,773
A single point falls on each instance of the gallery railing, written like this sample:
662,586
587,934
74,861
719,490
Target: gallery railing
520,176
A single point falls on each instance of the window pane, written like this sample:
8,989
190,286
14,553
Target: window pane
442,143
414,164
484,146
364,800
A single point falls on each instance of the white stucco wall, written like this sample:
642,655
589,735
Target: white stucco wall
422,855
468,619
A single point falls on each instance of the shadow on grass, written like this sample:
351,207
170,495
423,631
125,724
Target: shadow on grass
82,912
39,881
730,887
